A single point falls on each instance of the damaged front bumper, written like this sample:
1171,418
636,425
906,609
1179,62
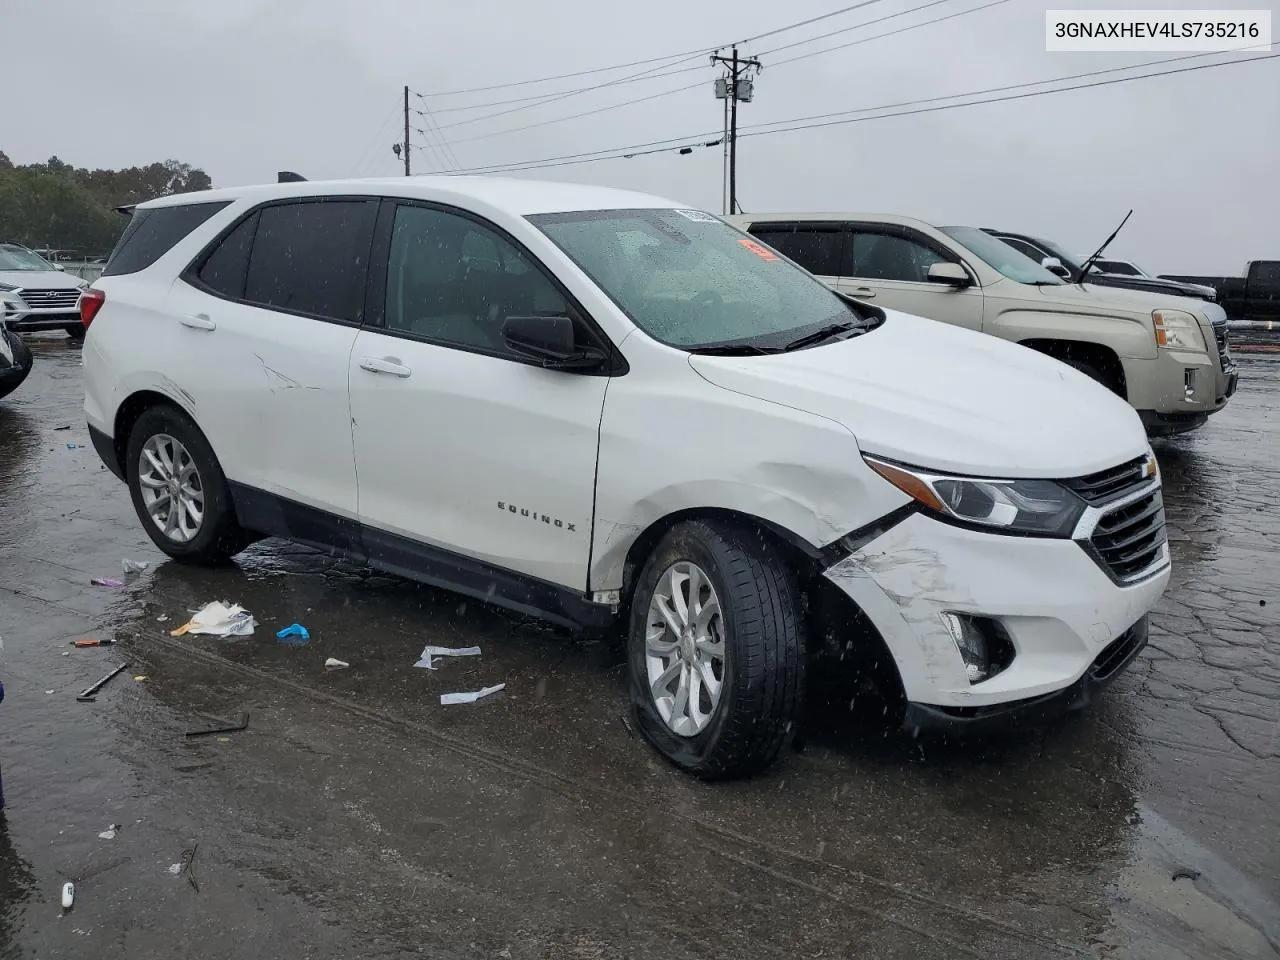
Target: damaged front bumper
1066,625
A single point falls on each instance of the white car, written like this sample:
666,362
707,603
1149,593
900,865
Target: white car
599,406
36,294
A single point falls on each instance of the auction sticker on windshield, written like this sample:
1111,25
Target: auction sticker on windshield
697,216
764,253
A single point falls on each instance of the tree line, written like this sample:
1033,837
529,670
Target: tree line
58,206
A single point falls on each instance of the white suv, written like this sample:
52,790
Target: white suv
598,406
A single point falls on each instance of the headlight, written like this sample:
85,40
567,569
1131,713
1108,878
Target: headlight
1014,506
1177,330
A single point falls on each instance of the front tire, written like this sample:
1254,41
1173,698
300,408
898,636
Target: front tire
716,651
179,489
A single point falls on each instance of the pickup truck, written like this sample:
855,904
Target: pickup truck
1252,296
1158,351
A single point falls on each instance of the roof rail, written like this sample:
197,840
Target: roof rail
288,176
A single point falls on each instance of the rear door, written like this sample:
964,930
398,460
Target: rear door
892,264
268,315
464,448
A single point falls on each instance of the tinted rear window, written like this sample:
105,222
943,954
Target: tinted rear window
224,269
311,257
152,232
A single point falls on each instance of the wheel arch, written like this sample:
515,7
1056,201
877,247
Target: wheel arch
838,629
1102,358
127,414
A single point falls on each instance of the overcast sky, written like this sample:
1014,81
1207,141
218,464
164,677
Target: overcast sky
244,88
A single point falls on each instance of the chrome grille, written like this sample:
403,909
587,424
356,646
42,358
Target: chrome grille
1131,538
64,298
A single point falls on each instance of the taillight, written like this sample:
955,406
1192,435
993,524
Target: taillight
91,302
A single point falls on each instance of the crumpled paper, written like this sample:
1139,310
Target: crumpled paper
448,699
429,652
219,619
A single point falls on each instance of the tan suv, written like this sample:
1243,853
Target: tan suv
1159,352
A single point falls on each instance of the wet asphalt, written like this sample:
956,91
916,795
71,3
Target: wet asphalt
356,817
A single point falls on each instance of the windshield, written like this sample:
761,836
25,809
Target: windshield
1000,256
13,257
690,280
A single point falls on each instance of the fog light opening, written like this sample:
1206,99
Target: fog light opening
1189,385
983,643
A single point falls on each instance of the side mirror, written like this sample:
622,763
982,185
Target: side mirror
551,341
952,274
60,268
1054,266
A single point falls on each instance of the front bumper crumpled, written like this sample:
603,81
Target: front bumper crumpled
1073,624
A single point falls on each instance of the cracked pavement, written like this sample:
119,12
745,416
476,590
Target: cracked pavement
357,817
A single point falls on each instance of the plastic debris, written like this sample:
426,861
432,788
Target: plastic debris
428,653
66,653
295,635
333,663
175,868
71,446
225,728
88,694
162,618
448,699
107,582
219,619
68,895
141,678
134,566
109,833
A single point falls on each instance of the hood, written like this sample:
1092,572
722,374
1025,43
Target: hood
1175,288
939,396
1116,300
39,279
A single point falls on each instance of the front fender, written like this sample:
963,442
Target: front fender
703,448
1127,337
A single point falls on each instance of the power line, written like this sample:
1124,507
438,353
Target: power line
432,125
359,167
684,55
656,146
651,74
856,26
656,72
757,131
698,85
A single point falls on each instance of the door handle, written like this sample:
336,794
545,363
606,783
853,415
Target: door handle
200,321
863,293
389,365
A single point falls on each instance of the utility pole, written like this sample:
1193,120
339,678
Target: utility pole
736,85
406,130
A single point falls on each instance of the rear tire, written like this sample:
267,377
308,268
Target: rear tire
739,710
179,489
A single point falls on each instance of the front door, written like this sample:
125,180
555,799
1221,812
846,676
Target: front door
462,446
892,265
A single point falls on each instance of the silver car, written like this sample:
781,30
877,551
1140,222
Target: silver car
36,294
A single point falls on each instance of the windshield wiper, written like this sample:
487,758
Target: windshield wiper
732,350
822,333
